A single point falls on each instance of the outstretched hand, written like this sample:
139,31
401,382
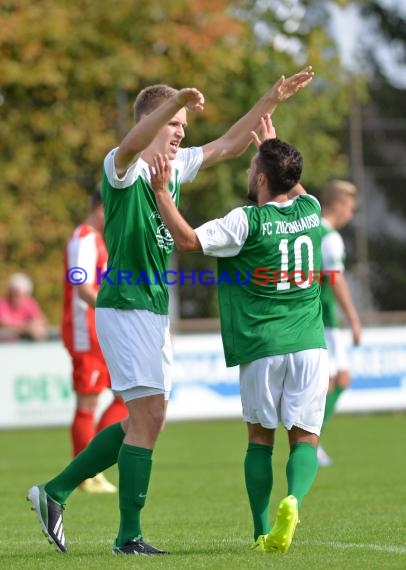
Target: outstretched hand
267,131
160,172
190,98
285,87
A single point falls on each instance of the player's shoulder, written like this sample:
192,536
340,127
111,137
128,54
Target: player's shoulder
189,150
188,153
330,230
251,212
137,169
109,158
309,199
83,231
331,237
235,216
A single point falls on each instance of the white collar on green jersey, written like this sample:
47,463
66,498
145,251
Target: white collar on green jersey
280,204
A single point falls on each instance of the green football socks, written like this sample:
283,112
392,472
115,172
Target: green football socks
331,401
258,481
301,470
134,465
101,453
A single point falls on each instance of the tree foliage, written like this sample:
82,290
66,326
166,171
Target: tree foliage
70,71
384,143
389,23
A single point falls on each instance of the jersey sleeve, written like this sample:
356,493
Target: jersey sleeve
188,161
85,256
312,200
333,252
224,237
110,171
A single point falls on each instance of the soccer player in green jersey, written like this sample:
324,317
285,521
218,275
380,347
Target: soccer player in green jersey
132,305
338,200
271,325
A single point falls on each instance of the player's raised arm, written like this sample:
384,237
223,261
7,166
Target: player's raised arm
238,137
146,129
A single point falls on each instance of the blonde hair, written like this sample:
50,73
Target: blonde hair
152,97
336,189
21,282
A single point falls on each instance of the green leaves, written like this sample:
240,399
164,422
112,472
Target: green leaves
69,73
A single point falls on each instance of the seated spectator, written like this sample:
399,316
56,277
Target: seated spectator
20,314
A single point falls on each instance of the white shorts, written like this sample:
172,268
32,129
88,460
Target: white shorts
136,346
337,348
290,388
141,392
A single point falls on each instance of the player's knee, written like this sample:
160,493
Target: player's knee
157,420
258,434
343,379
299,435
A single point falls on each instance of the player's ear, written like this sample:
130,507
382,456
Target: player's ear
261,178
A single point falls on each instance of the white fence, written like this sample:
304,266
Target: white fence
36,385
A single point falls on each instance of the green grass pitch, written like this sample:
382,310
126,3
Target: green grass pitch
354,517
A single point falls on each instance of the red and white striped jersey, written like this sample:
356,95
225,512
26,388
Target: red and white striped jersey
86,250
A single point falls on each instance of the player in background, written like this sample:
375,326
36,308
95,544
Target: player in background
86,251
21,317
338,200
271,326
132,311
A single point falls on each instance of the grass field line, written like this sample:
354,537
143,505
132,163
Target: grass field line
389,548
363,546
332,544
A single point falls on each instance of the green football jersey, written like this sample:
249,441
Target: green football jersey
278,309
333,260
138,242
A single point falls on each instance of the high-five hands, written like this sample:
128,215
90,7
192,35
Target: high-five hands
267,131
285,87
160,172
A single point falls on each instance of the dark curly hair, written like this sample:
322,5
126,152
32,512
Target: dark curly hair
281,163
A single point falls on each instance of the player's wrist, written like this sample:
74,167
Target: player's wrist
162,192
180,99
354,320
